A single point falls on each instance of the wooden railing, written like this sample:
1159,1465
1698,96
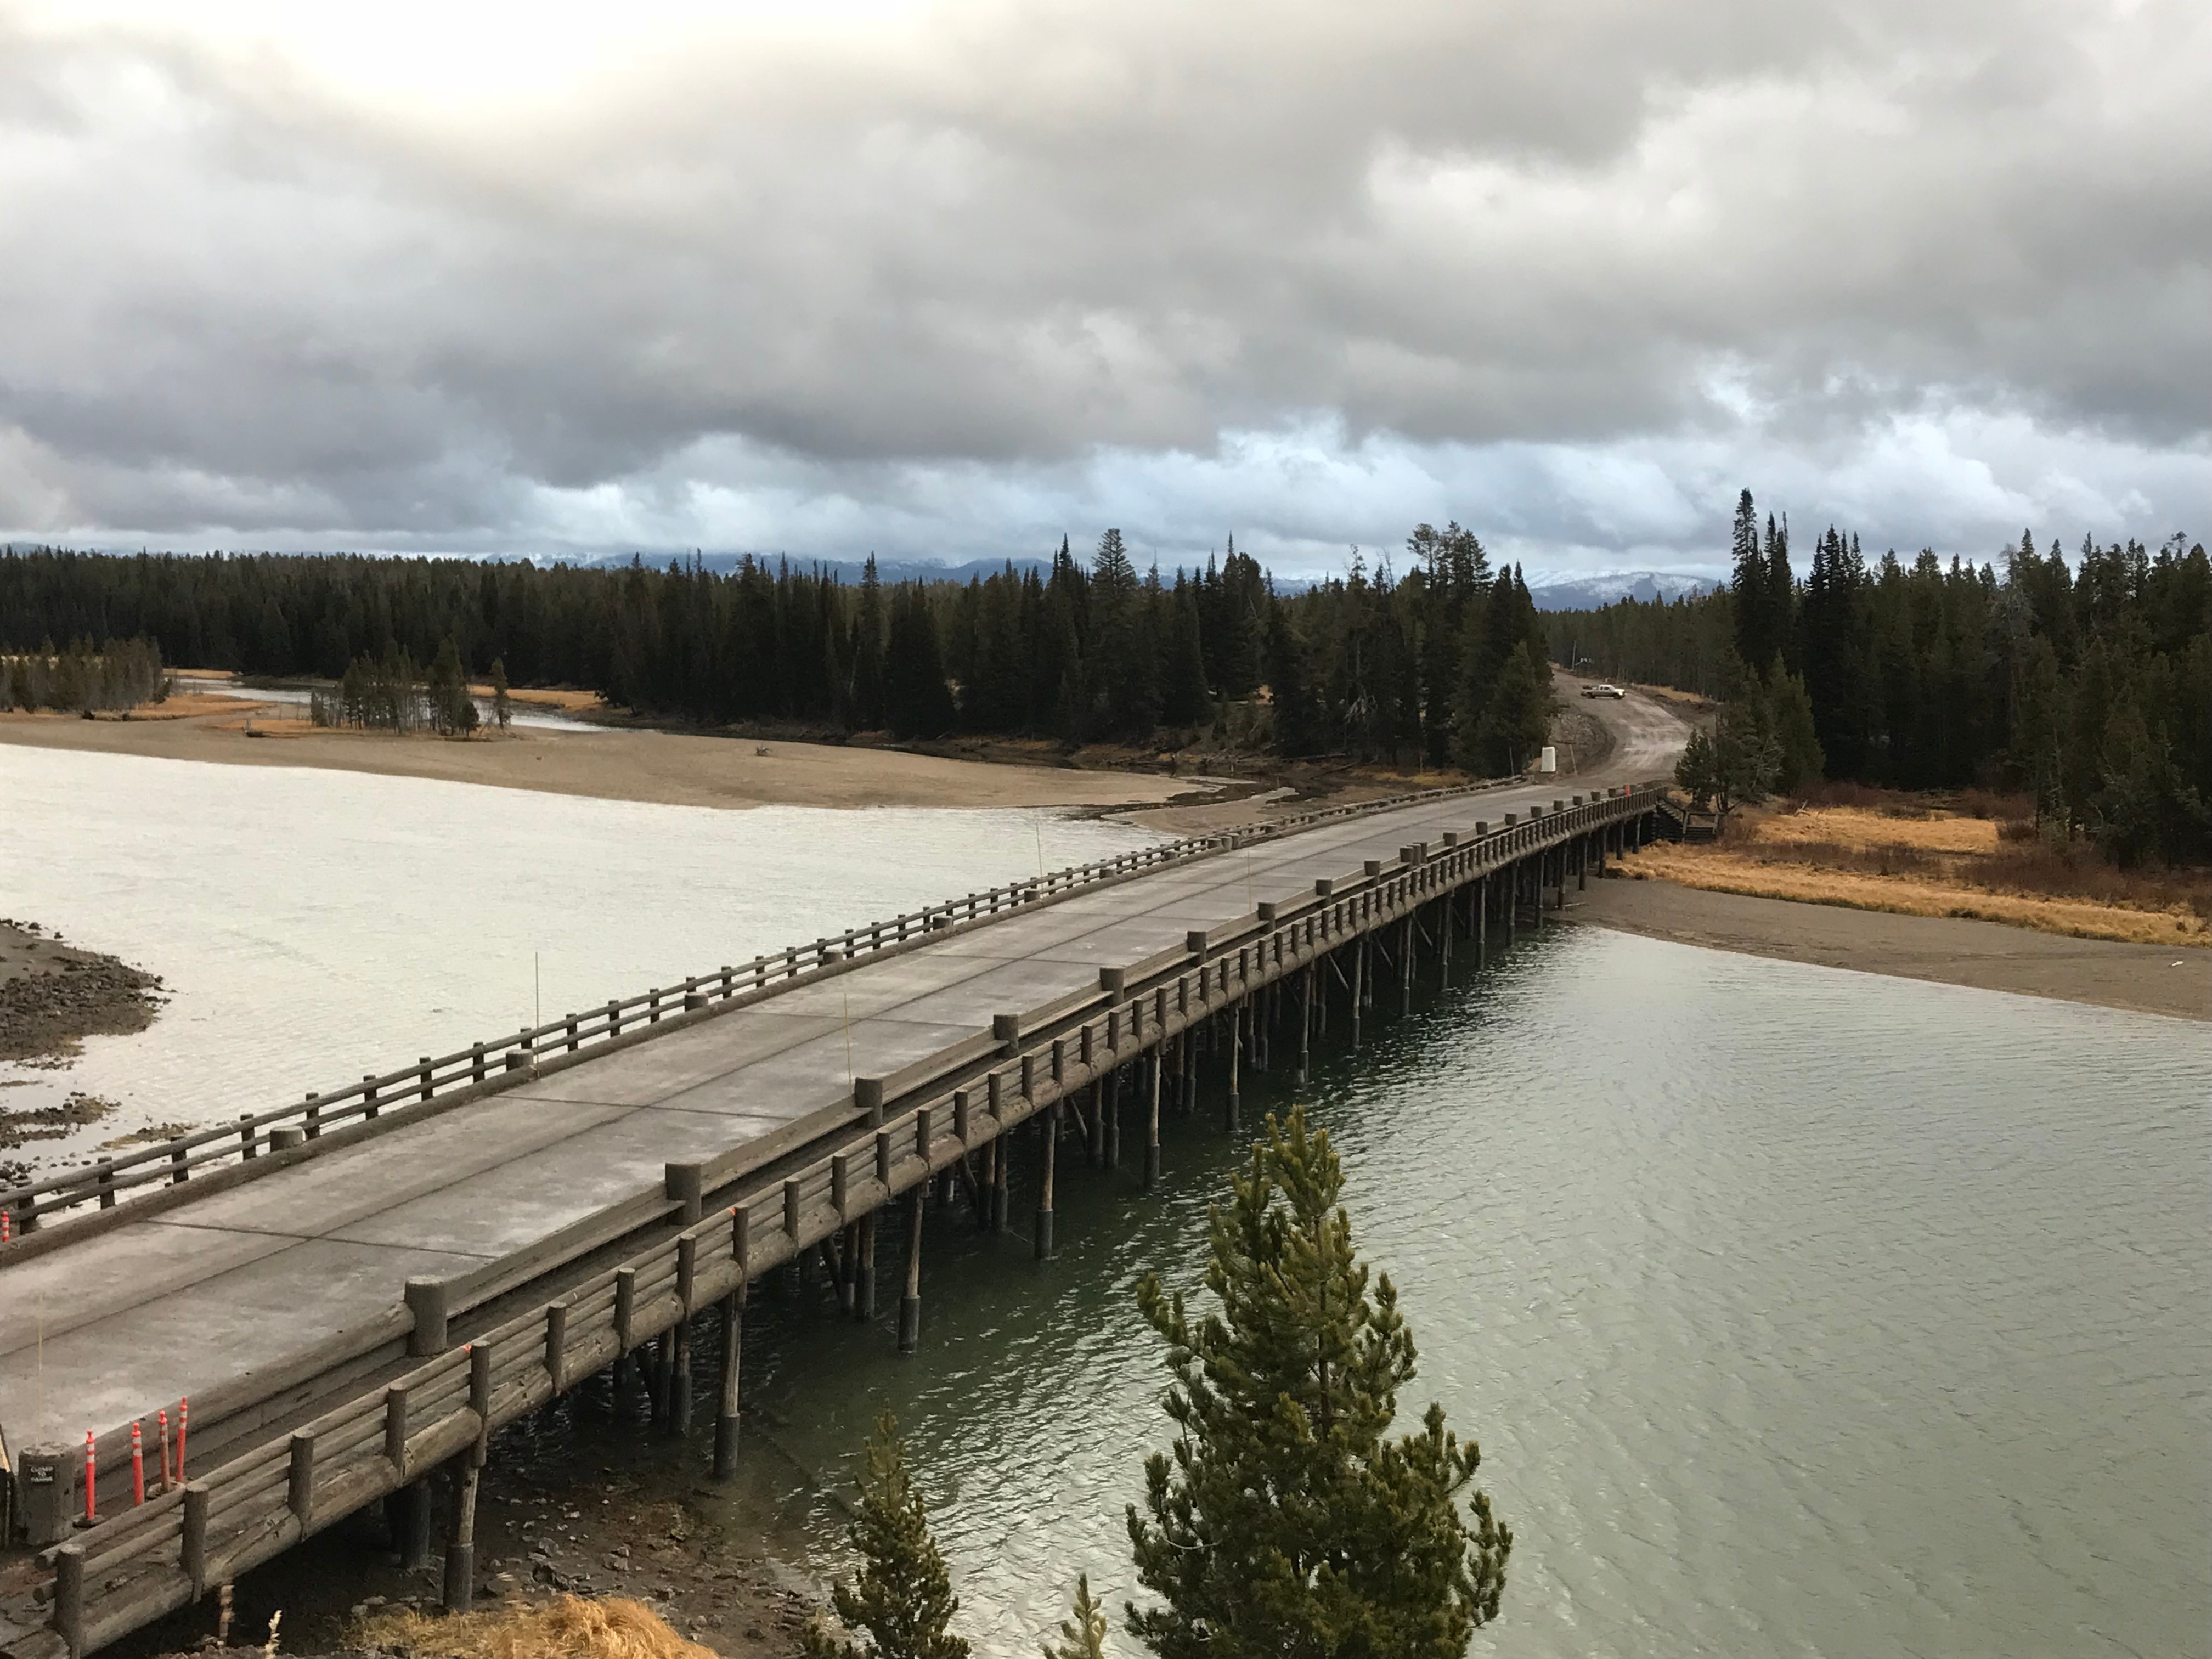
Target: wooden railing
147,1560
173,1161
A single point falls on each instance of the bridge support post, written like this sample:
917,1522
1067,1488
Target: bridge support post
1406,937
1114,1121
461,1537
1359,987
1048,1156
679,1378
1001,1155
1444,944
726,1417
1152,1122
1236,1055
656,1380
1099,1123
408,1515
864,1294
1186,1062
1582,864
1305,1025
909,1334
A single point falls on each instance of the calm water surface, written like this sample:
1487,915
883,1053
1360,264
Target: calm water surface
313,925
1798,1311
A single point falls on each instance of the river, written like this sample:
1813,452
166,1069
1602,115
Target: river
315,925
1797,1310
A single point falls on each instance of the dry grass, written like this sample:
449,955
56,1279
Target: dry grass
1724,871
1873,850
566,1627
1857,827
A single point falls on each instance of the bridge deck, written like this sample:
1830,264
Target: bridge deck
112,1325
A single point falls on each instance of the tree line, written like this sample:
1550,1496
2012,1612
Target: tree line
2086,685
1445,665
120,674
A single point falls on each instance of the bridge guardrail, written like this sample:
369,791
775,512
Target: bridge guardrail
173,1161
161,1555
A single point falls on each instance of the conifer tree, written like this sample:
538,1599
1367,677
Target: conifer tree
1286,1521
1183,700
1290,687
453,710
1515,718
1083,1633
502,706
1798,761
902,1599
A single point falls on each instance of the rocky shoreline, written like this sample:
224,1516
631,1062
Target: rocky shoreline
53,995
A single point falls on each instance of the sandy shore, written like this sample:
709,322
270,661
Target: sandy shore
2148,978
614,765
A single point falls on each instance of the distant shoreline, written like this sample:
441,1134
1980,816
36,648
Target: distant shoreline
1952,950
670,768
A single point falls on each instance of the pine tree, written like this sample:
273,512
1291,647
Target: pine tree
453,710
1748,584
917,702
1798,761
1285,1521
1183,702
904,1597
502,706
1083,1633
1516,718
1290,688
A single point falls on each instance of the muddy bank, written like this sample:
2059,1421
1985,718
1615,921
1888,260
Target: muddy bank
2148,978
52,995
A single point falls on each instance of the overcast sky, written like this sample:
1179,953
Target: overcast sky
950,280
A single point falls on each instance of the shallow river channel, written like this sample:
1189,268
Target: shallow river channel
1796,1310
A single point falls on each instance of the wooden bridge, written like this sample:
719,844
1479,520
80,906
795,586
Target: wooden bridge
356,1290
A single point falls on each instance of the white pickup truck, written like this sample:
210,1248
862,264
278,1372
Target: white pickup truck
1603,690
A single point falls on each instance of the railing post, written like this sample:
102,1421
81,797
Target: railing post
300,1484
557,1347
69,1595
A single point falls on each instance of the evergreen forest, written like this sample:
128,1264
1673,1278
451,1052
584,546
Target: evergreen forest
2086,682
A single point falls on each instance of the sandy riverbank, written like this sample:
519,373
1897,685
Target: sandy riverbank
2149,978
669,767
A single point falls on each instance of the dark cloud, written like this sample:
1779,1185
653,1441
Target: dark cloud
1309,272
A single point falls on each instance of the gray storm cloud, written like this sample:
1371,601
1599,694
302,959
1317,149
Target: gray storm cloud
1303,273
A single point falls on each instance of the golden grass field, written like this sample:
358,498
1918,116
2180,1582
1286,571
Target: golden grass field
1937,865
566,1627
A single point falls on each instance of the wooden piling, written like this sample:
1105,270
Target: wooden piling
679,1378
1046,1156
910,1337
864,1296
1001,1181
1359,987
1236,1048
1306,1024
1152,1127
726,1416
1405,967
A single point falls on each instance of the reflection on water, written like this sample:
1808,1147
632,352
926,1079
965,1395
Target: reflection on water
520,713
313,925
1796,1311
